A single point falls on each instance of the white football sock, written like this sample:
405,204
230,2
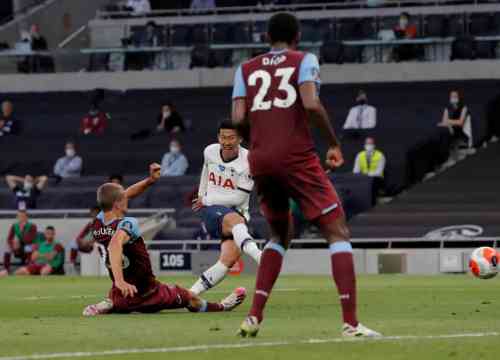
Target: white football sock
210,278
242,237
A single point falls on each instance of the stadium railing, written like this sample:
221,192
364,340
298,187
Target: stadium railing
178,57
321,6
371,243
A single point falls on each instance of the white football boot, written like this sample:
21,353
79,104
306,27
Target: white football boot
234,299
100,308
359,331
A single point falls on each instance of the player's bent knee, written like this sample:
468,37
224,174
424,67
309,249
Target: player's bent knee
230,221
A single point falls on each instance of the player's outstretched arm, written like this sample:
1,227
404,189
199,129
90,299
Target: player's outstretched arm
138,188
115,249
318,116
239,117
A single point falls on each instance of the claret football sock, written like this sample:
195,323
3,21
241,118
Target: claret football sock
6,261
345,279
269,270
210,278
211,307
245,242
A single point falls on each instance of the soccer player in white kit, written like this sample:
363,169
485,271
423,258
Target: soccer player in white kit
223,203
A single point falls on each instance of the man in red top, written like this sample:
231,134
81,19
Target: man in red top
276,96
95,122
20,239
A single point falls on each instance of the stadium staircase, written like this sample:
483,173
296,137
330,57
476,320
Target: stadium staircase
464,199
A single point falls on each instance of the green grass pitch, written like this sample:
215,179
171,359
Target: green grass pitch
43,316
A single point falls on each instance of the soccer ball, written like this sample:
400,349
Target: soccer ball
484,262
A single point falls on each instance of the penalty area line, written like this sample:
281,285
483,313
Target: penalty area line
243,345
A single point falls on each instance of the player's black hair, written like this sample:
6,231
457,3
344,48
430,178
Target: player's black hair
95,208
283,27
227,124
50,227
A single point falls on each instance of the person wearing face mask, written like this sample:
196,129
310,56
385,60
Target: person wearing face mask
69,165
95,122
174,162
371,162
169,120
26,189
362,115
456,117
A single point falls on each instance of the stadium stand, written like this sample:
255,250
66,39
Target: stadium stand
411,141
464,195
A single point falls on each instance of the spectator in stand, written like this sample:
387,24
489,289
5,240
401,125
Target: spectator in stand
69,165
22,235
116,179
139,7
150,37
47,257
83,241
203,5
174,162
362,115
405,30
456,117
95,122
26,189
371,162
8,124
38,42
169,120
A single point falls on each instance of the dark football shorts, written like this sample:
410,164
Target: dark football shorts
306,183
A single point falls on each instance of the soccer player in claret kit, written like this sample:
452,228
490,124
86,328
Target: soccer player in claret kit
135,288
276,95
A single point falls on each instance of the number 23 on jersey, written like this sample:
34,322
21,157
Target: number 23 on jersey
265,77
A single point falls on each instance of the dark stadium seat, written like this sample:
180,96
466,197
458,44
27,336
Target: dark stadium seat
327,30
485,49
221,33
200,34
180,35
480,24
455,25
331,52
495,23
463,48
240,33
355,29
309,31
434,26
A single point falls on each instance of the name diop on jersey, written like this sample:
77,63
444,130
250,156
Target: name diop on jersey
275,60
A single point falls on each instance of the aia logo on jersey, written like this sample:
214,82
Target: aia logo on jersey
275,60
219,181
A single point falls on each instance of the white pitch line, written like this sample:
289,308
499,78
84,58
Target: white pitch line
242,345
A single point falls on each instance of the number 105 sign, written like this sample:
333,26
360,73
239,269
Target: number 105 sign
175,261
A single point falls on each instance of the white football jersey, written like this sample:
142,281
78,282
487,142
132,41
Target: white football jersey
226,183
